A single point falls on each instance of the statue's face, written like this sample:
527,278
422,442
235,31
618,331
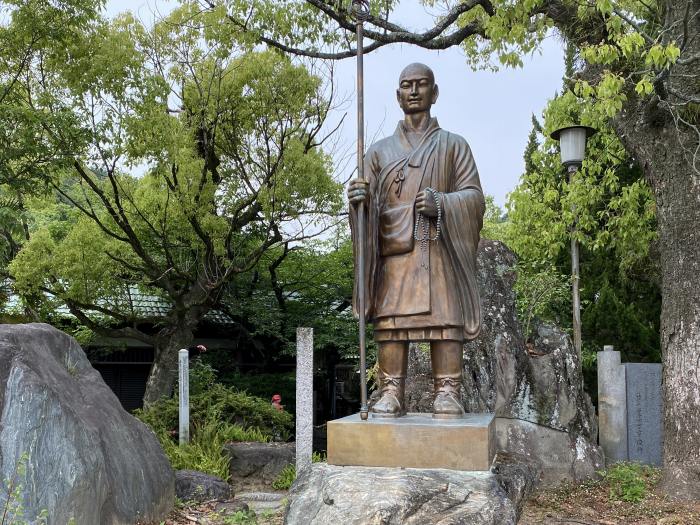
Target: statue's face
417,89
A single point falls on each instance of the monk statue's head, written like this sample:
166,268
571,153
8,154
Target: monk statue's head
417,90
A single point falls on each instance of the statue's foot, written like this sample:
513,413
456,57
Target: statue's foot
390,403
447,404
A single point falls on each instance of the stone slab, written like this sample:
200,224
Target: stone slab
413,441
304,398
644,413
261,501
612,406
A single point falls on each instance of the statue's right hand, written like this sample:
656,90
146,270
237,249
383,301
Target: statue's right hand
357,191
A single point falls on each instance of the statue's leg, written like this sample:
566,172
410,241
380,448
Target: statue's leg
446,357
393,363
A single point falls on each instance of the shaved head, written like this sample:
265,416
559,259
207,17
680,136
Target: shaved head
417,89
417,70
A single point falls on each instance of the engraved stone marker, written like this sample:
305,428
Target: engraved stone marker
630,411
612,407
644,413
305,397
183,359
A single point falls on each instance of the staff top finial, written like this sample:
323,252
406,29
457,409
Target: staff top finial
360,10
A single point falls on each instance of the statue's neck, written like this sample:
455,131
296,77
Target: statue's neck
416,123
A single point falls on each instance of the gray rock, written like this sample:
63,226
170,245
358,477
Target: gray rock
258,462
226,508
262,501
533,385
191,485
86,457
562,455
392,496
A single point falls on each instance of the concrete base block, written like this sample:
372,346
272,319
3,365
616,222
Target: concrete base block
413,441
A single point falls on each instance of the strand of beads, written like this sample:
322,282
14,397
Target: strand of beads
421,229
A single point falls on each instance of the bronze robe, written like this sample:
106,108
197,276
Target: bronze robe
413,291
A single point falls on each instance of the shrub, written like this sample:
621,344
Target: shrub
218,415
205,451
629,481
210,401
264,385
289,473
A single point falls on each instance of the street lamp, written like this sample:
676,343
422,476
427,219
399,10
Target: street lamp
572,145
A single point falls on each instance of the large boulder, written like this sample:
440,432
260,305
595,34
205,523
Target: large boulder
326,494
535,389
65,439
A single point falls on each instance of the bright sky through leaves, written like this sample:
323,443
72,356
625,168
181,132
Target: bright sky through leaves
491,110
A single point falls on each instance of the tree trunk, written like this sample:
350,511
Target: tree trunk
164,371
678,209
665,151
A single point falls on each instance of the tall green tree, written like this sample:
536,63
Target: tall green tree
229,143
613,212
32,33
640,69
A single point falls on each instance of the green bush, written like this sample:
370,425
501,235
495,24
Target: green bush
210,401
205,451
285,478
218,415
629,481
540,294
289,473
265,385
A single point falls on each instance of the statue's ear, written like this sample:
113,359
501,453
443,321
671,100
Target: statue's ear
436,93
398,96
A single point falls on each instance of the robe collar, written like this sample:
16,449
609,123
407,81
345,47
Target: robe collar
415,157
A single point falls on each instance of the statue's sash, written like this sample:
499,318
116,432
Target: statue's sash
396,221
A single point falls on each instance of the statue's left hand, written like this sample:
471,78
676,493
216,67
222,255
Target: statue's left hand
425,203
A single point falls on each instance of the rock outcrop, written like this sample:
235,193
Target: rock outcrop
66,441
535,390
192,485
327,494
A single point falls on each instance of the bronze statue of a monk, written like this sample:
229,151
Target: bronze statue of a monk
425,210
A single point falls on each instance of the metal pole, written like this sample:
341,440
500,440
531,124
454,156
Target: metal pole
360,9
576,298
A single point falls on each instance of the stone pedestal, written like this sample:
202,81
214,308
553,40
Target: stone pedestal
413,441
328,494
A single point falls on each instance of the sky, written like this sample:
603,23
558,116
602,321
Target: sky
491,110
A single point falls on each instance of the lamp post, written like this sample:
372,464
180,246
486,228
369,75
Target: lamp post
572,145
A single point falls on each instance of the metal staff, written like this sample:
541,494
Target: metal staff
360,10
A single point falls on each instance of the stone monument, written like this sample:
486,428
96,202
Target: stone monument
631,409
304,398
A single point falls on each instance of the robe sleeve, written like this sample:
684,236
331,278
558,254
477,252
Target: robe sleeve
369,237
462,219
